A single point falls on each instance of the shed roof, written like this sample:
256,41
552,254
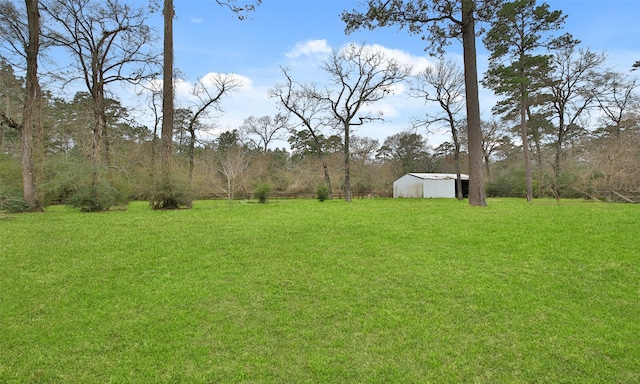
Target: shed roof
439,176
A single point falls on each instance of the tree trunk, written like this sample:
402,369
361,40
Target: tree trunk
560,139
38,138
524,133
487,165
26,140
167,95
456,157
192,150
477,194
96,147
347,164
327,179
558,152
106,141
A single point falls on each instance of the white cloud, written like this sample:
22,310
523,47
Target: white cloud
418,63
196,20
183,89
251,99
309,48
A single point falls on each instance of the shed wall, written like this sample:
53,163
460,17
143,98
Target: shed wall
439,188
408,187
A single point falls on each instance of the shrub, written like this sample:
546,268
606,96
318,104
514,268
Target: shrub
322,192
66,174
14,204
171,195
95,198
262,192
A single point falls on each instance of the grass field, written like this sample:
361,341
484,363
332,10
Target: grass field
295,291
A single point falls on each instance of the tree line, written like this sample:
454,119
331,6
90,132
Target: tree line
565,126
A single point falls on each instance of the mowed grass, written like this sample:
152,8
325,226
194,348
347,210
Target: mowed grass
295,291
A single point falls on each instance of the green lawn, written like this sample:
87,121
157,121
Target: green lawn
294,291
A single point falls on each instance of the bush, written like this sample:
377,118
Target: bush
66,174
262,192
322,192
171,195
96,198
14,204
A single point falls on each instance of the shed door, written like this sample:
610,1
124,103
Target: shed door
439,188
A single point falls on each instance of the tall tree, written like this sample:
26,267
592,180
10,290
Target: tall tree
232,161
265,129
110,42
30,45
407,150
444,85
31,96
14,34
439,22
494,138
240,10
300,101
516,63
209,91
573,85
167,201
360,76
617,100
11,103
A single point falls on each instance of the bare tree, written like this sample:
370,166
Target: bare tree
444,85
359,76
494,137
265,129
616,100
110,42
154,93
238,9
439,22
209,91
31,96
573,85
11,101
299,100
25,42
233,163
14,31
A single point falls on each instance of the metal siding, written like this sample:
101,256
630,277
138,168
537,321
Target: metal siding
407,186
439,188
426,185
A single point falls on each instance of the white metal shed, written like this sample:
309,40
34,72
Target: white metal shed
429,185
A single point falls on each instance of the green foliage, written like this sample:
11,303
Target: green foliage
508,184
11,199
10,176
322,192
410,150
13,204
98,198
65,174
262,192
566,186
171,195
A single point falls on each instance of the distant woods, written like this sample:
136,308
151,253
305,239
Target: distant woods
565,125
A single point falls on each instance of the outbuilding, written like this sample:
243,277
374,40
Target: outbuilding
429,185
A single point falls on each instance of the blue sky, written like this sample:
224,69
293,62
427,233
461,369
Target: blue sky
297,33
